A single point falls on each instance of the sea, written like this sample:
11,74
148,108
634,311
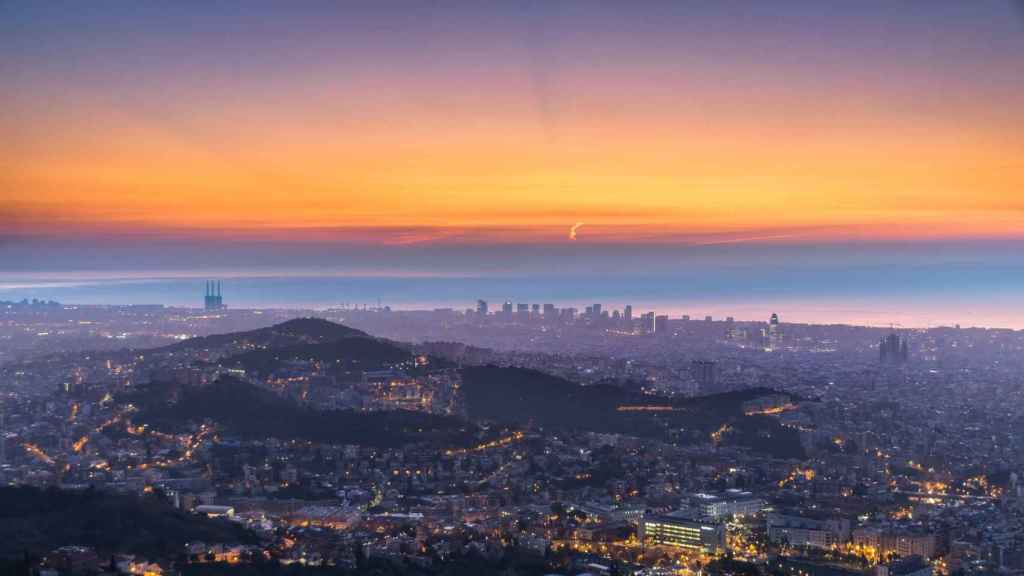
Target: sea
902,296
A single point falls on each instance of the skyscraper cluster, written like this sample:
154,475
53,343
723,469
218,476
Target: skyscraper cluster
594,315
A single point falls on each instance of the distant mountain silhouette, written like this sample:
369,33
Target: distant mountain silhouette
343,350
298,331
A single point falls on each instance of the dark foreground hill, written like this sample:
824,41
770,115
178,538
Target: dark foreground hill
517,395
255,413
34,522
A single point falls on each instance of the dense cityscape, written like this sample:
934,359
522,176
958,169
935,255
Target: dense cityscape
531,439
512,288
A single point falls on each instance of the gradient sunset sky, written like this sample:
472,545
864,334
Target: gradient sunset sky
238,126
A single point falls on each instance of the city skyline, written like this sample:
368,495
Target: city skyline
967,283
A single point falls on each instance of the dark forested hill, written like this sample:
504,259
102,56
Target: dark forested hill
252,412
518,395
342,355
504,395
291,333
34,521
342,350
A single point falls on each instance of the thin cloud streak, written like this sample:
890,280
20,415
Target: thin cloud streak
525,235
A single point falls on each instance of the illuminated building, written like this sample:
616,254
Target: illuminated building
901,542
727,504
394,390
214,511
327,516
481,307
770,404
682,532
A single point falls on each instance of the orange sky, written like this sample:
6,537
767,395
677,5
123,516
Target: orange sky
639,150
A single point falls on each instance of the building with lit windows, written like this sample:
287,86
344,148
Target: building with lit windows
727,504
682,532
395,390
902,542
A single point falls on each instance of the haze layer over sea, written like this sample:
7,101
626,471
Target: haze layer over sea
912,297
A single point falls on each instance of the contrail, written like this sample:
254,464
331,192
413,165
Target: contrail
572,231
